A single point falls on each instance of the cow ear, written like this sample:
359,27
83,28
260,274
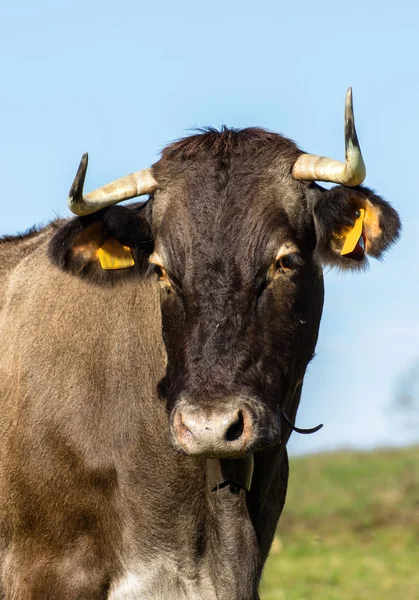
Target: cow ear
112,243
352,223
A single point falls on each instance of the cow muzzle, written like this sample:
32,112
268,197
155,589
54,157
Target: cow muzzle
219,433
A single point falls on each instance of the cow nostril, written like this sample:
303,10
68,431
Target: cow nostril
235,431
180,426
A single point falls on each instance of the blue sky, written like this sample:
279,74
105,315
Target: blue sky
122,79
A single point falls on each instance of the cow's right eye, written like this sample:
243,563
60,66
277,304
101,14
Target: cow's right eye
167,283
161,273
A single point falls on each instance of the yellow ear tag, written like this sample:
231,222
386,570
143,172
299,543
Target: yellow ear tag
113,255
354,235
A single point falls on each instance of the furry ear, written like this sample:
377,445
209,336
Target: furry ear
111,244
352,223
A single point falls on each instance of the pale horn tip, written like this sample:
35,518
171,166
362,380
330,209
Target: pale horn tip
350,131
355,165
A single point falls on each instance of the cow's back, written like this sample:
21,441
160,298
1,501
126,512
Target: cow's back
13,249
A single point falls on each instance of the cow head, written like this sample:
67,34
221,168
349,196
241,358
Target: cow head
236,232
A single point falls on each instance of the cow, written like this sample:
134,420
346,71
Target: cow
153,357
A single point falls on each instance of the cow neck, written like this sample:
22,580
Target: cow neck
235,472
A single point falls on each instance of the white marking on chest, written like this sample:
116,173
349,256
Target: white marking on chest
129,588
158,584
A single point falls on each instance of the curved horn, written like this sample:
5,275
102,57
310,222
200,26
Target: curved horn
318,168
130,186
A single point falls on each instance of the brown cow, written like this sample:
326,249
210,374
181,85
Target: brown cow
153,356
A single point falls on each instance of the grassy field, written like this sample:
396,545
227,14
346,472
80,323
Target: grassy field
350,529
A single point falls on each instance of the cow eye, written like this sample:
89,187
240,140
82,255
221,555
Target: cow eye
168,282
288,262
161,273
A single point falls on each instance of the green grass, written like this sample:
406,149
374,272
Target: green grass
350,529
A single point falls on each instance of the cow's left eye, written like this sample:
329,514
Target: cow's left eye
288,262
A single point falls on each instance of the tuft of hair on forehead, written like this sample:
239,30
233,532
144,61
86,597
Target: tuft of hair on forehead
227,141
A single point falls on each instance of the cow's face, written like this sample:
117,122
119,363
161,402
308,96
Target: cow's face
241,304
236,240
237,254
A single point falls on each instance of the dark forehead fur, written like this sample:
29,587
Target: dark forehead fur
229,141
231,179
254,147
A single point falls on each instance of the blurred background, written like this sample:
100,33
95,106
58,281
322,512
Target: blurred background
122,79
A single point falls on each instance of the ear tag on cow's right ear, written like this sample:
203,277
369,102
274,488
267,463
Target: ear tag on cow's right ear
113,255
354,235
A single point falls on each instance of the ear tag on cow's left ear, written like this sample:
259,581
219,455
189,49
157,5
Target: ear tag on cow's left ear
113,255
354,235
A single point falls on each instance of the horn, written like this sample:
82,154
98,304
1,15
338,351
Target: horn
318,168
130,186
